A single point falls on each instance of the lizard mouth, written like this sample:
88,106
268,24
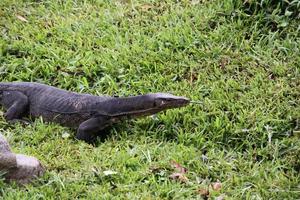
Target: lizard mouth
182,102
173,103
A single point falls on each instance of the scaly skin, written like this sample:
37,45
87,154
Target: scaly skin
89,113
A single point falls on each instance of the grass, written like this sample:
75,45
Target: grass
245,135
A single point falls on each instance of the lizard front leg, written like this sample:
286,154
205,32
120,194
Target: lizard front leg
16,104
88,129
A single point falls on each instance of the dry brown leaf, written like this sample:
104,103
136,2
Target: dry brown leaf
217,186
204,192
146,7
178,167
23,19
179,176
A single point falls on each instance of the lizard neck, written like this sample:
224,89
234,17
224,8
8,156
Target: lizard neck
131,106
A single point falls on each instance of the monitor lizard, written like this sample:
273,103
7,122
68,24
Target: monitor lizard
88,113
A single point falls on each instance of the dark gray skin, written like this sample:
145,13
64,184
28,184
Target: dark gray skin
88,113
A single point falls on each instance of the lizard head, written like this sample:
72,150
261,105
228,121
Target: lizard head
142,105
165,100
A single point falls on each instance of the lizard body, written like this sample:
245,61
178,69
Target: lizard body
88,113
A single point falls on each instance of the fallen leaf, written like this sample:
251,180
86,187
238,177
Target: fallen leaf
217,186
204,192
109,172
178,167
146,7
23,19
179,176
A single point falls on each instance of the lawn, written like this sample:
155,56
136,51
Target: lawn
244,136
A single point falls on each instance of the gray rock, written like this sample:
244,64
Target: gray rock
17,167
4,146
